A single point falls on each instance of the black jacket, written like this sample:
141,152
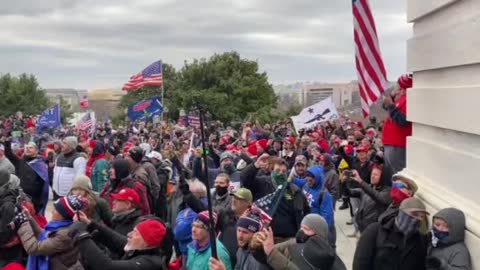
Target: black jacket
30,182
373,202
93,258
383,247
260,186
123,224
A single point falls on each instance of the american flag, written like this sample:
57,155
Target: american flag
85,123
150,76
84,102
194,121
372,77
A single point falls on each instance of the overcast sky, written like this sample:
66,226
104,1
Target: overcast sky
90,44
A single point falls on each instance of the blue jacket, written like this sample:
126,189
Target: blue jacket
325,207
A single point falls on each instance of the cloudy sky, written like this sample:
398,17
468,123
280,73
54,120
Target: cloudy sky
90,44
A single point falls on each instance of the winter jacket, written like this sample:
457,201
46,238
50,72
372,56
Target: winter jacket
396,128
318,198
67,166
141,175
5,164
292,207
227,225
246,260
123,223
199,257
451,251
288,256
383,247
100,174
93,258
114,186
260,186
58,246
183,229
11,249
103,213
221,202
373,202
332,181
30,182
152,177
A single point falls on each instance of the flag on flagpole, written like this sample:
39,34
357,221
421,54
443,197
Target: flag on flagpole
193,121
49,118
322,111
150,76
84,102
86,123
372,77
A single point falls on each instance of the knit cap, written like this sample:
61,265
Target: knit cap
316,223
152,231
82,182
203,217
71,141
251,221
68,206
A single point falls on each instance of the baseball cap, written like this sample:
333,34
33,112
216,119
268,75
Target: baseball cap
413,205
154,154
244,194
407,179
127,194
362,148
301,159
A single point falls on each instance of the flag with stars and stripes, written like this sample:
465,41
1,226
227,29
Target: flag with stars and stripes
372,77
150,76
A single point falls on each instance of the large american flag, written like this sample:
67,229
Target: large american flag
86,123
372,77
194,121
150,76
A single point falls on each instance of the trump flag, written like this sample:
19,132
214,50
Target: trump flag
145,109
49,118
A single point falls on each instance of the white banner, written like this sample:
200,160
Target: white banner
322,111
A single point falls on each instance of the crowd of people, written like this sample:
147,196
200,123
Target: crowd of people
137,197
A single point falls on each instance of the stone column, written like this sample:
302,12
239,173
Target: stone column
444,106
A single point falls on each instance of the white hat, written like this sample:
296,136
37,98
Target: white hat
154,154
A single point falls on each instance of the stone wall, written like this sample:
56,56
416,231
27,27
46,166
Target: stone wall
444,151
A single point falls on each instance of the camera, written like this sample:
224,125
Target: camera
348,173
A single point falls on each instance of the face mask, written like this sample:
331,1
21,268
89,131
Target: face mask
279,178
301,237
221,190
398,196
407,224
437,236
229,168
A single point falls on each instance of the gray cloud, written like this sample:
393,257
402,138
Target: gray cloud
91,44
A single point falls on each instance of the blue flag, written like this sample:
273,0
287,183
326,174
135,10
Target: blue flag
49,118
145,109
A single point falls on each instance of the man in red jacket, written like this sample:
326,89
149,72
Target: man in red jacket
396,127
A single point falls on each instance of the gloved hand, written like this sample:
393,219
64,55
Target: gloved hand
183,186
432,262
78,231
18,220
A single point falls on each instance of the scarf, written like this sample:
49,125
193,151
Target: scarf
39,262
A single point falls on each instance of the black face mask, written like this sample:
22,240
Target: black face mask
301,237
221,190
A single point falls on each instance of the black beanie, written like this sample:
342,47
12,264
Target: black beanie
136,153
120,166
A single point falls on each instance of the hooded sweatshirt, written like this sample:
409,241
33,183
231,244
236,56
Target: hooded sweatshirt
452,251
324,205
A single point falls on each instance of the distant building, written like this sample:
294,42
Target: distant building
70,95
343,94
104,102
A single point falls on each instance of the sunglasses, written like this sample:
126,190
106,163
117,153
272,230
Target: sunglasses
399,185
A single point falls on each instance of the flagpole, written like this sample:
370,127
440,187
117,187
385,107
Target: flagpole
163,90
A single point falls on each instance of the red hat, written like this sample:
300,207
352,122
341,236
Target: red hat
152,232
92,143
349,149
324,145
204,218
50,146
405,81
290,140
127,194
263,143
362,148
371,132
252,150
83,137
13,266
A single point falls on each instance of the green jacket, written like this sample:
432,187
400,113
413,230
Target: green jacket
198,258
100,174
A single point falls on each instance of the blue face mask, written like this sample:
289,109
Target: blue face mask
440,234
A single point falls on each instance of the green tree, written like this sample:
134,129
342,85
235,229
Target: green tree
66,111
21,93
231,88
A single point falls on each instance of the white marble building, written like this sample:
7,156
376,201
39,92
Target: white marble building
444,106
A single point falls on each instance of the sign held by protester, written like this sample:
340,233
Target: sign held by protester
145,109
322,111
49,118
